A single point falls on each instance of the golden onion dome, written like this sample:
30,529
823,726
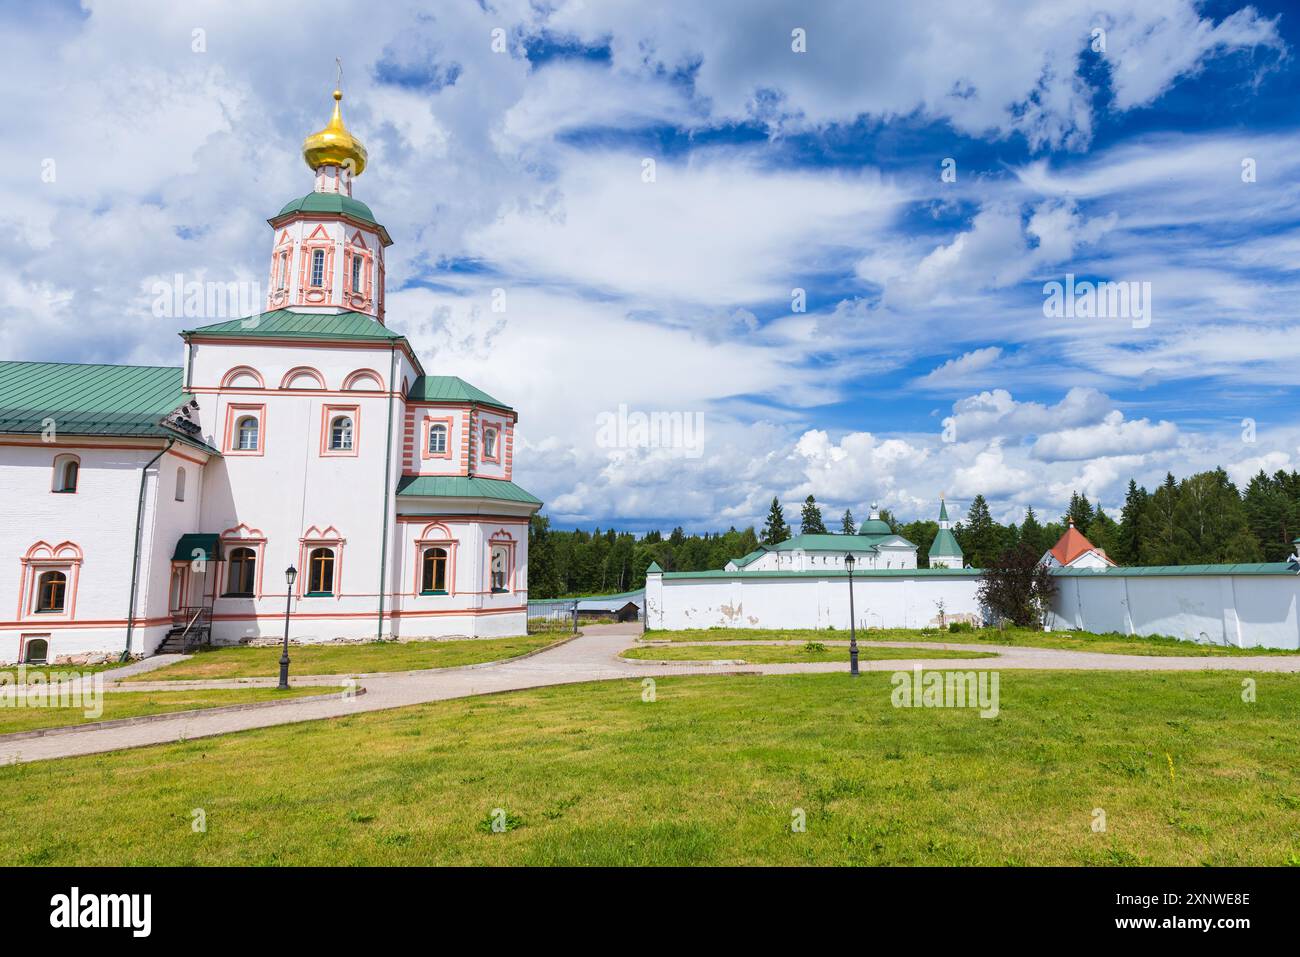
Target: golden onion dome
334,145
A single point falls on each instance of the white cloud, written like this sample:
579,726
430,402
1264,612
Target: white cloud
1004,70
714,230
961,368
1111,436
676,293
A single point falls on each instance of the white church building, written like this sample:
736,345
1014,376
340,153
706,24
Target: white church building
143,506
874,546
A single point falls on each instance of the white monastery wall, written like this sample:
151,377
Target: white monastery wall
1241,610
808,601
1235,609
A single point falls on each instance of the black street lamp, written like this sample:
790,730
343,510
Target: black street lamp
853,631
290,575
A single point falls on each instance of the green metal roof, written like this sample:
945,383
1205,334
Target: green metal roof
84,399
831,542
945,545
328,203
875,526
654,569
198,545
287,324
622,596
1144,571
829,573
943,510
461,486
756,553
450,388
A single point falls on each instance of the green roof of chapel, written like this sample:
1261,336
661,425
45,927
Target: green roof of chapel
945,545
88,399
329,203
288,324
450,388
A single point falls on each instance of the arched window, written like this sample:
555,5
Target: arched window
437,440
36,651
242,377
433,572
180,484
318,267
51,588
246,434
341,434
362,380
242,573
500,567
489,443
320,572
66,472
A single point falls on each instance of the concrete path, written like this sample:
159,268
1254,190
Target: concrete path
138,667
591,657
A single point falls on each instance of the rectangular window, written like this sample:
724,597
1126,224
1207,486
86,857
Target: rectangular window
320,572
433,577
356,273
318,267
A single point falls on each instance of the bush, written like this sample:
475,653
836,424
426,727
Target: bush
1017,588
959,626
814,647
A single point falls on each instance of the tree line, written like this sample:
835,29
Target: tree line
1200,519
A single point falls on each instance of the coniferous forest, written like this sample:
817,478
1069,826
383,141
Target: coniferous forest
1203,518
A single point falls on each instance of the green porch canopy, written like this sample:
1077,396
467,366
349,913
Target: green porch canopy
198,545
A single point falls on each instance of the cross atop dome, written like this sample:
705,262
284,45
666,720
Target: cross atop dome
334,153
328,250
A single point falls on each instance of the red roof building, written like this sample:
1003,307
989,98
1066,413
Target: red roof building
1074,550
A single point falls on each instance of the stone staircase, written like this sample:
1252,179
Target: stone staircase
192,629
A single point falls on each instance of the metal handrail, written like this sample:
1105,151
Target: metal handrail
198,613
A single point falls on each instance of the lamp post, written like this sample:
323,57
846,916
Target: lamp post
290,575
853,630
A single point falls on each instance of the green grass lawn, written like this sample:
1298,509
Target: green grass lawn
778,654
365,658
44,671
131,704
1114,644
713,771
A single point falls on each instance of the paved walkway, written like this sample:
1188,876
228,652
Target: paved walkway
593,656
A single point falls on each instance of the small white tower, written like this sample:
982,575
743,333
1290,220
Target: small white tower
328,252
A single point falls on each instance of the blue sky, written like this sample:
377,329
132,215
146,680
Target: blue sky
924,362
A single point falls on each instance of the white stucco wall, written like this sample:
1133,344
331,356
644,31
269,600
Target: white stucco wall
808,600
98,520
1242,610
1235,609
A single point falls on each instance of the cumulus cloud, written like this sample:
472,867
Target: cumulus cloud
494,171
1113,435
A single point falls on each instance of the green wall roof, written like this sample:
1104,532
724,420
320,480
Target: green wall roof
450,388
288,324
1144,571
831,573
461,486
84,399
